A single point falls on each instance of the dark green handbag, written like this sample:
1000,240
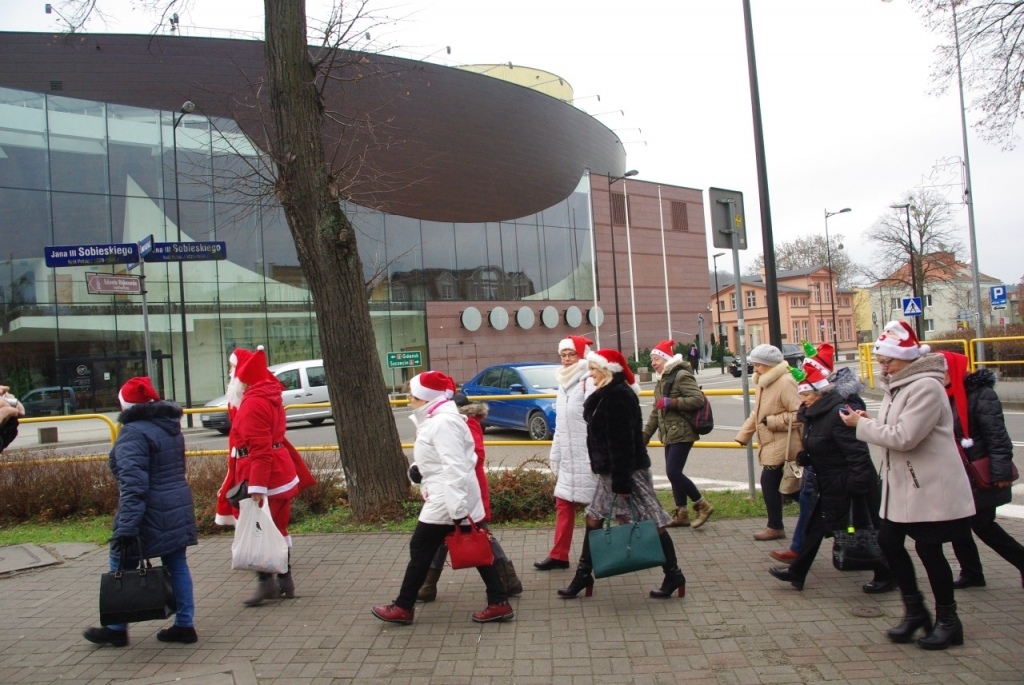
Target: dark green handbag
625,548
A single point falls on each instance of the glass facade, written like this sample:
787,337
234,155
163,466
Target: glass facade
76,172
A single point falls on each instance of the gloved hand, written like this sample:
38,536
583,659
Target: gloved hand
663,403
123,543
414,474
459,521
803,458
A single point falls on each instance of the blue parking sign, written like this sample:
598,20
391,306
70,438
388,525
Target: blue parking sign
997,295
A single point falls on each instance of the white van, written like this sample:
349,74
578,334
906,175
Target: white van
304,382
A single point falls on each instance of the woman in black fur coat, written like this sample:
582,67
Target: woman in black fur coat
976,405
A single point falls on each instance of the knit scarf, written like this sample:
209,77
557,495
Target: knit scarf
566,374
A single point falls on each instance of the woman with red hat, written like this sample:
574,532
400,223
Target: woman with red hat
925,492
445,459
676,397
619,457
265,460
980,430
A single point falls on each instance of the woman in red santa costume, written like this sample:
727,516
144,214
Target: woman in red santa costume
265,459
227,515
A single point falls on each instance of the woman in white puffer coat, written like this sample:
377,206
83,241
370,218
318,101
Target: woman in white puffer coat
570,460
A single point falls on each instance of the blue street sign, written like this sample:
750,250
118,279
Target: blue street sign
997,295
145,247
911,306
188,252
85,255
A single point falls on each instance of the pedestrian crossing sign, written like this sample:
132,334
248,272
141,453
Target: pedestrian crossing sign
911,306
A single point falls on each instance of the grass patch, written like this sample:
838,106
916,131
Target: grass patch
96,529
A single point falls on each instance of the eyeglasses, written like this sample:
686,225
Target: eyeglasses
883,362
568,355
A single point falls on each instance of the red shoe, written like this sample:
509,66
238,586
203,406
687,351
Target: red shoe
494,612
786,557
392,613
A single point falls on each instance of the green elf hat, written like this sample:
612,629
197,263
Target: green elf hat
798,374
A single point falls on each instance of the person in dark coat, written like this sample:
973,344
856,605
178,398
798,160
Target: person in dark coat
843,471
154,503
975,405
10,410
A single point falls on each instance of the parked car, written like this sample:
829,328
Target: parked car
52,401
304,382
791,352
535,416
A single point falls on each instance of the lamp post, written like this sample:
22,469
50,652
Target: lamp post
831,289
186,108
913,268
718,314
615,271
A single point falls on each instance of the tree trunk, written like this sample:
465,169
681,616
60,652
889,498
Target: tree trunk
371,454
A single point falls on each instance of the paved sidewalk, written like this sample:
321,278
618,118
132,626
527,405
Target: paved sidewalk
736,624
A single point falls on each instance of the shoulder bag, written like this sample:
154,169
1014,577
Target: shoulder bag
625,548
792,473
980,470
857,550
139,594
470,549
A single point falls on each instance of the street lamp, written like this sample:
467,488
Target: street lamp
832,290
913,269
718,313
615,270
186,108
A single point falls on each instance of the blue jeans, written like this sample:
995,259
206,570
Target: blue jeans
181,581
806,495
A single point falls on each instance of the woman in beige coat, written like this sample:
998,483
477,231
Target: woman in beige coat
778,435
925,492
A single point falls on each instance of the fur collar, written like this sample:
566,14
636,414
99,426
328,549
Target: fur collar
147,411
669,365
931,365
773,374
846,383
982,378
475,409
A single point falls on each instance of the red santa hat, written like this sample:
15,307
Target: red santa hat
578,343
822,359
666,350
813,381
899,342
431,385
613,362
956,365
137,391
252,366
239,356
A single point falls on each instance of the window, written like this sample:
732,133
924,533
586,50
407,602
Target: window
929,325
510,378
796,330
618,209
680,220
895,304
831,331
803,301
751,299
803,324
491,378
721,305
846,302
849,331
290,379
732,301
316,376
828,294
792,301
927,300
816,292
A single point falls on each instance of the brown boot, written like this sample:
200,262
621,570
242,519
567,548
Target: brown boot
266,588
428,593
702,510
681,519
770,534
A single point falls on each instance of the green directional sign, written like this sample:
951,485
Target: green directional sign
399,360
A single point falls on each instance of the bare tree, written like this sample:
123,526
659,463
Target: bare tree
991,36
809,251
725,278
309,177
931,239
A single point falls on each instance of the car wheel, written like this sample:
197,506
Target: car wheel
223,431
538,427
316,422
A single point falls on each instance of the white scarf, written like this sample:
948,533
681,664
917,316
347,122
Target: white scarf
566,374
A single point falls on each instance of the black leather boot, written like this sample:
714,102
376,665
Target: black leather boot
584,578
286,584
947,631
674,578
914,616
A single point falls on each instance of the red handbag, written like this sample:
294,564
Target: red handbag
980,470
470,549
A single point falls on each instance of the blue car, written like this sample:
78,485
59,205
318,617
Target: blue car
535,416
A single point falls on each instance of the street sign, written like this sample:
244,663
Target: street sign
398,360
145,247
911,306
86,255
997,295
188,252
106,284
999,306
721,227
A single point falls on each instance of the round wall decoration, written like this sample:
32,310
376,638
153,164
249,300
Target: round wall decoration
471,319
498,318
595,315
549,317
573,316
524,318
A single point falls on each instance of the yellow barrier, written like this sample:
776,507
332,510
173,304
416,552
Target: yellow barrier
973,352
75,417
867,369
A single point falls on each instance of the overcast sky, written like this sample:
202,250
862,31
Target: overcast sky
848,118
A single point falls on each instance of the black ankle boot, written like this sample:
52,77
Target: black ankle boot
674,578
947,631
914,616
583,580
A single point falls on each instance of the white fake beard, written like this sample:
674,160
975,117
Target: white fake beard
235,390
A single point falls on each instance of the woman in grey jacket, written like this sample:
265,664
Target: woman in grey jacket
925,492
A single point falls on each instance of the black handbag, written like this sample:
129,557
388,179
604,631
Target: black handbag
237,493
625,548
139,594
857,550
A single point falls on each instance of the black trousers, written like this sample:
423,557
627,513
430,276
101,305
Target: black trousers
892,539
426,540
984,525
771,479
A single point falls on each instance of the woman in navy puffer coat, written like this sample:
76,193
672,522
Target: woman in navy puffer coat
154,502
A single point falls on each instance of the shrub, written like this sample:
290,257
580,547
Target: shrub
525,493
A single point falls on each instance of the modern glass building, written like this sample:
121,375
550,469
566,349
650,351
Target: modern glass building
80,172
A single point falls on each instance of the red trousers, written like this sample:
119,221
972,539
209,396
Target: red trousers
281,512
565,521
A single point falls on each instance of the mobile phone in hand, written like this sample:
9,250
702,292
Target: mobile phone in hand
844,411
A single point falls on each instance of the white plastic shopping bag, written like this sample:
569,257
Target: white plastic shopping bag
258,544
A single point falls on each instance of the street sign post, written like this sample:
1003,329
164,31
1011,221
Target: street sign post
89,255
399,360
912,306
107,284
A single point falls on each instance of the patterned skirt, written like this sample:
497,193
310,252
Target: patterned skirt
645,501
